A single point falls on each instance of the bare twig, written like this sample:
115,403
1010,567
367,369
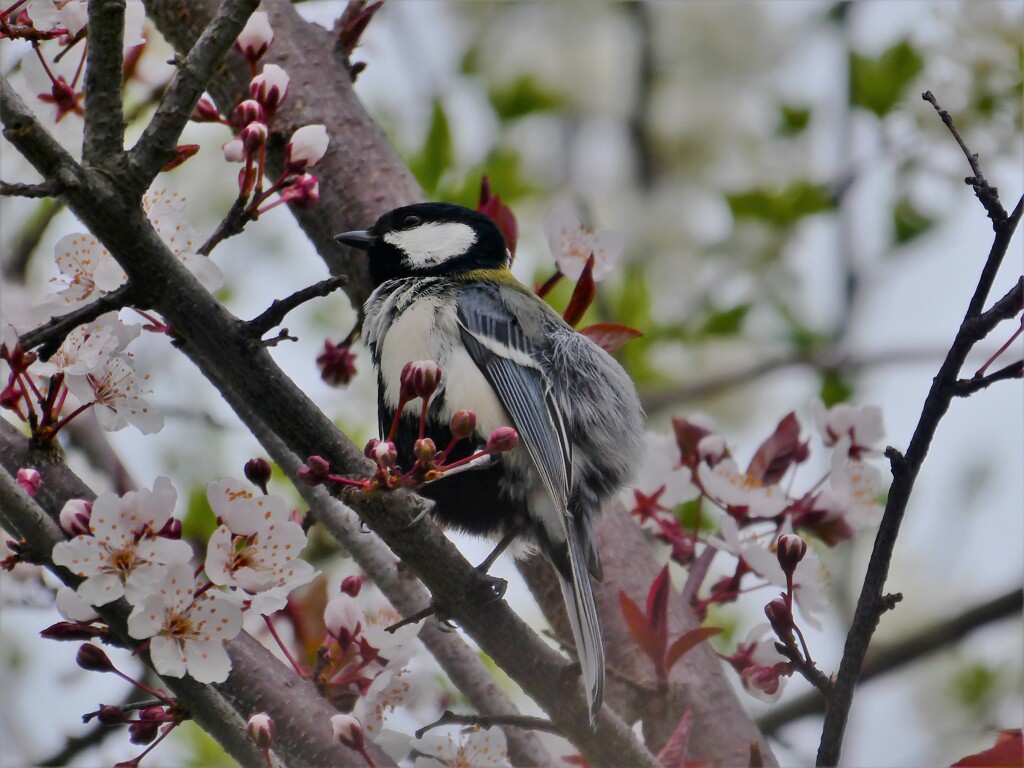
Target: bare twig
899,654
232,224
967,387
47,188
489,721
103,141
277,311
872,602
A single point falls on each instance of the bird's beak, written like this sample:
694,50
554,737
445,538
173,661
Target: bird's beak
359,238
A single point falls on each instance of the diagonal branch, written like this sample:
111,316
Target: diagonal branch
103,142
156,146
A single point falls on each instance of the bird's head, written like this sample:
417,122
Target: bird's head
430,239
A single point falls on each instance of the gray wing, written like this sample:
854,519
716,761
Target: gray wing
511,362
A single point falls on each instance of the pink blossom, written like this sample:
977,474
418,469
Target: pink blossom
307,146
29,480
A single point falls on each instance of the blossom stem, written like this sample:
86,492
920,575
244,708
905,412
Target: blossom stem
142,686
81,65
277,638
1009,341
460,462
552,281
60,424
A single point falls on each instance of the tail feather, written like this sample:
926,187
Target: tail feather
586,627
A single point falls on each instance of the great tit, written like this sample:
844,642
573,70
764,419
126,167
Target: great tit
444,292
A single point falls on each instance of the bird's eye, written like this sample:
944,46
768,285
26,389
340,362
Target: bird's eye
411,220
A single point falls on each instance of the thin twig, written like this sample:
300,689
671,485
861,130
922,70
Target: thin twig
233,223
967,387
275,314
489,721
806,668
156,146
48,188
49,336
103,142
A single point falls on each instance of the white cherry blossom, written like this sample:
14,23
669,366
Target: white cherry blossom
72,607
861,425
187,634
478,747
86,348
733,488
242,511
661,473
571,244
118,393
854,489
123,552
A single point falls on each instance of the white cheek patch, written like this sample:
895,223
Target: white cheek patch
432,243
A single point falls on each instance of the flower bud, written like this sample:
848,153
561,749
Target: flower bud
780,616
371,446
315,472
303,192
29,480
463,424
502,439
257,471
255,37
420,379
234,151
337,364
205,112
143,731
305,149
171,530
92,658
790,551
351,585
74,517
254,136
248,111
348,731
424,449
110,715
155,714
261,729
270,87
71,630
384,455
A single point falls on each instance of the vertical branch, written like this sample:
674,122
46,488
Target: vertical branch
103,142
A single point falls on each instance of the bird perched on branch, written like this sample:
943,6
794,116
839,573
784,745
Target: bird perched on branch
444,292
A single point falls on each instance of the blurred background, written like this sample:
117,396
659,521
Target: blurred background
797,227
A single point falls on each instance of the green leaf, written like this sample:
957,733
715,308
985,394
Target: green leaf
782,207
834,389
909,223
793,120
523,96
435,157
723,322
199,522
878,84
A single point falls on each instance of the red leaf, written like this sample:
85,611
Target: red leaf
778,452
673,754
610,336
688,435
582,295
657,612
688,641
637,624
1008,751
182,152
501,213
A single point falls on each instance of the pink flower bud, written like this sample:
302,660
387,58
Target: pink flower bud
384,454
74,517
420,379
205,112
337,364
315,472
71,630
463,424
343,618
270,87
371,446
255,37
761,681
261,729
143,731
307,146
234,150
248,111
156,714
348,731
352,585
424,449
30,480
502,439
257,471
171,530
110,715
790,551
303,192
92,658
780,616
254,136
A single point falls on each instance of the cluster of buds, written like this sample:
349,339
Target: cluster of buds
252,119
419,381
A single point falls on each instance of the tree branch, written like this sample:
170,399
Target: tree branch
44,189
967,387
277,311
103,140
872,603
156,146
902,652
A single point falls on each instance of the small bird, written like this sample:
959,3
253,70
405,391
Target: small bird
444,292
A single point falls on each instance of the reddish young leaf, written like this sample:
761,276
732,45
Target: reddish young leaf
778,452
688,435
582,295
506,220
673,754
657,612
638,627
610,336
1008,751
353,22
182,152
688,641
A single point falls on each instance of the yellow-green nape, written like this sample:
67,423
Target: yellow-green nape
500,275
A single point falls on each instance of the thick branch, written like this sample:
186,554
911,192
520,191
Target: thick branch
103,141
156,146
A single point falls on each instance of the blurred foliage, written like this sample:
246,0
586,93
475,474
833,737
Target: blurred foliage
878,84
198,522
782,207
204,751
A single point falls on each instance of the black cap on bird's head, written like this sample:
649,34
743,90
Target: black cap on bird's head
430,239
